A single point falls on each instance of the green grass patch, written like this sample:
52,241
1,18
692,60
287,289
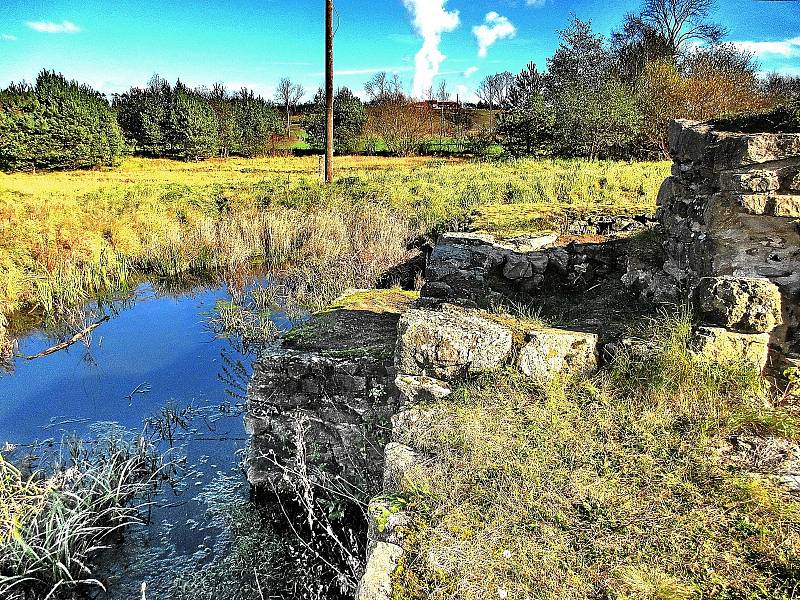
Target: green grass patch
619,486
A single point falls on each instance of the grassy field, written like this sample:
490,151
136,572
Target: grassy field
70,236
626,485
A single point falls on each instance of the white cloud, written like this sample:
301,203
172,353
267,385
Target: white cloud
466,94
50,27
536,3
8,37
787,48
470,72
431,20
495,27
366,71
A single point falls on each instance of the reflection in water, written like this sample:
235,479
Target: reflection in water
169,362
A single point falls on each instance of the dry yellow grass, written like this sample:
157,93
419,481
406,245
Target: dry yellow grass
149,171
66,237
618,486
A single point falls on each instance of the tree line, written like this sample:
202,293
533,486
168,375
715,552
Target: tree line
162,120
56,123
615,97
597,97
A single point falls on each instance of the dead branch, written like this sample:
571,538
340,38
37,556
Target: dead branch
74,339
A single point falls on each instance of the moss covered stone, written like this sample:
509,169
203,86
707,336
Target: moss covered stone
358,323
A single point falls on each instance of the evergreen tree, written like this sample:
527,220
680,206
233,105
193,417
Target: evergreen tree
179,122
192,125
349,118
57,124
143,115
256,122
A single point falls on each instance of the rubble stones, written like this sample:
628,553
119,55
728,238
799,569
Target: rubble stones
478,269
420,389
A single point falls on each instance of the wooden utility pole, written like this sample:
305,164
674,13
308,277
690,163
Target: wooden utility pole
329,90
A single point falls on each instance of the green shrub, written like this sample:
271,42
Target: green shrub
349,118
56,124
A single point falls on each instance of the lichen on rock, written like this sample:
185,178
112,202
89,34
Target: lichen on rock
450,344
746,304
552,352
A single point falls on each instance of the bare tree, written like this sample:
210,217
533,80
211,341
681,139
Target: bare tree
493,90
442,93
288,95
395,86
378,86
678,22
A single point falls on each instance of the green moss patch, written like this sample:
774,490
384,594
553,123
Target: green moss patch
358,323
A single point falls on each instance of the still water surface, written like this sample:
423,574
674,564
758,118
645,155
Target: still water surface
155,351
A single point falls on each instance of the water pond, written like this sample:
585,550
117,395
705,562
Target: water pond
156,353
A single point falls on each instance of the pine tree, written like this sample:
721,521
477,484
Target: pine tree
57,124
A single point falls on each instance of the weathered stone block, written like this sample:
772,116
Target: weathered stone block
722,345
777,205
666,194
735,150
555,351
747,304
750,182
533,243
450,344
376,584
420,389
412,426
688,140
755,204
787,206
517,267
387,520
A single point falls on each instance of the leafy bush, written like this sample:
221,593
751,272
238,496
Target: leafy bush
56,124
349,118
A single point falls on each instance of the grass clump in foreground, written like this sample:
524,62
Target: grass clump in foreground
54,523
619,486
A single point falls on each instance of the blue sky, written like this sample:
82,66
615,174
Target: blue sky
113,44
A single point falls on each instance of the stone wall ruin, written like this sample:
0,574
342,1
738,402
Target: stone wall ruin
731,211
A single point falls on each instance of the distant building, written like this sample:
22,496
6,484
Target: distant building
442,104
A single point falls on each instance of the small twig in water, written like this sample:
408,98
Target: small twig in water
142,388
75,338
